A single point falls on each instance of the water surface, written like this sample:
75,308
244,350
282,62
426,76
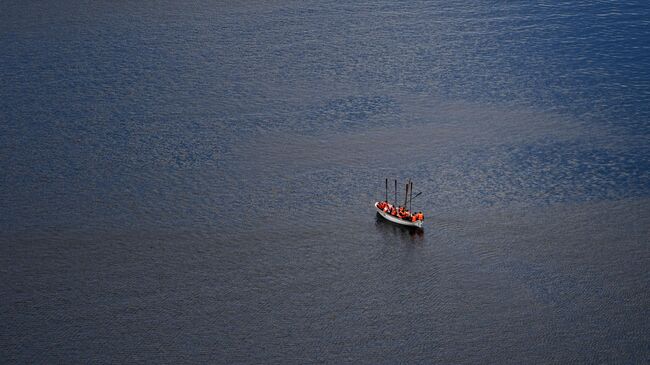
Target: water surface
193,182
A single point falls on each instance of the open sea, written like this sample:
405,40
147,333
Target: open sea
193,182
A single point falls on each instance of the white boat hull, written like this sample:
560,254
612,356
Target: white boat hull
398,220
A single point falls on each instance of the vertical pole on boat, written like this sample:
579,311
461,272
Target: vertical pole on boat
411,198
386,190
396,193
406,195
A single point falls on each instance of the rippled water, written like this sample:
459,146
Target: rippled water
193,182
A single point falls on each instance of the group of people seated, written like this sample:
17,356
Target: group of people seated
400,212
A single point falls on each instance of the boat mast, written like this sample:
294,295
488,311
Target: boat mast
395,192
406,195
386,190
411,198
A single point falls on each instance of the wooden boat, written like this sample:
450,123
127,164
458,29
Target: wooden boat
397,220
408,199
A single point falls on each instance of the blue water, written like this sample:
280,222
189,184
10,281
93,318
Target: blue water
193,181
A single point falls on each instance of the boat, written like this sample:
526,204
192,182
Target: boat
386,207
397,220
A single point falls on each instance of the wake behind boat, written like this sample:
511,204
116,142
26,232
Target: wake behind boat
400,214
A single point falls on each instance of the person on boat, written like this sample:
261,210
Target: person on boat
381,205
400,212
420,216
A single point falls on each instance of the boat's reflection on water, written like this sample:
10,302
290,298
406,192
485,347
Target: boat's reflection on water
414,234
